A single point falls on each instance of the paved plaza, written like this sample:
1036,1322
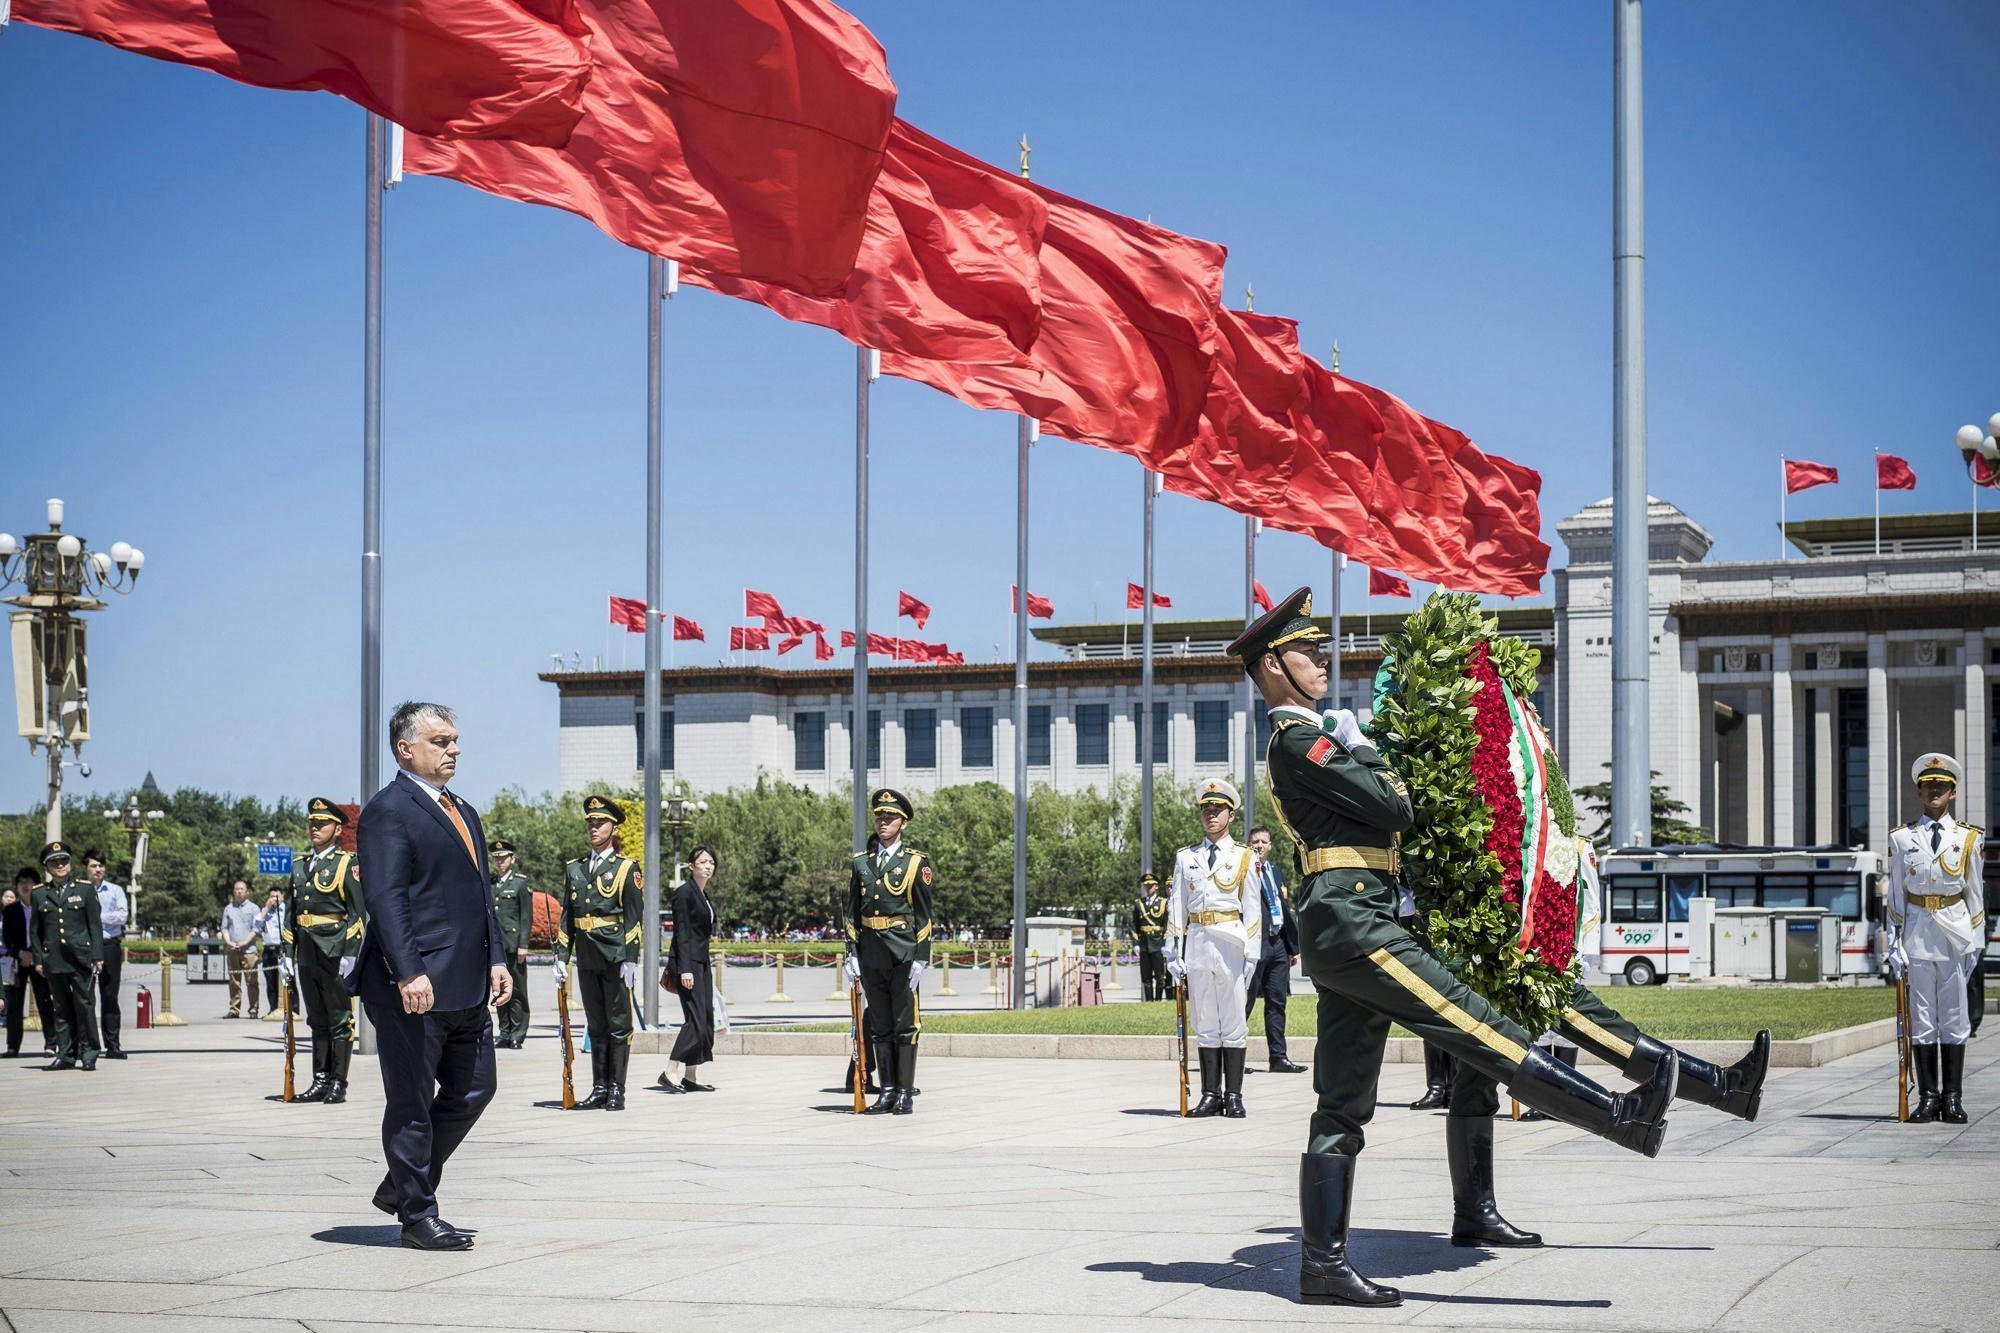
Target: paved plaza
168,1192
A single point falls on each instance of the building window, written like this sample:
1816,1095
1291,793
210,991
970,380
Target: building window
920,738
1809,762
809,742
1162,715
1211,731
975,737
666,737
1093,733
874,736
1040,724
1850,759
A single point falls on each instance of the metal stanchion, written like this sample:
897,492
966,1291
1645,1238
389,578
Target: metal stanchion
167,1018
779,997
993,985
944,985
1111,962
839,991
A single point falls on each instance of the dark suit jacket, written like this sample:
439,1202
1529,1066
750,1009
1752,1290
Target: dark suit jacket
14,928
694,927
430,905
1288,930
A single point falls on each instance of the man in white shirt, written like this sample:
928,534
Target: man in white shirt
112,905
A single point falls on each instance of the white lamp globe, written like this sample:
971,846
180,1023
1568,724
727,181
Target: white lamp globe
1969,438
67,545
8,545
121,552
138,560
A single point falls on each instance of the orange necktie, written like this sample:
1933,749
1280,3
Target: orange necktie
458,822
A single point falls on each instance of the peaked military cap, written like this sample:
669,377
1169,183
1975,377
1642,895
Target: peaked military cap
890,801
1215,791
603,807
55,851
1934,767
500,847
321,808
1150,878
1288,621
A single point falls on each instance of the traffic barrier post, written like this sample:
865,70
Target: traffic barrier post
167,1018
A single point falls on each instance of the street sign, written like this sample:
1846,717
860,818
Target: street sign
274,858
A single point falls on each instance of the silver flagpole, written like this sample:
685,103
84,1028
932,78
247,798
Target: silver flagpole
1333,610
1251,701
658,289
371,497
1146,687
1631,603
1023,438
865,371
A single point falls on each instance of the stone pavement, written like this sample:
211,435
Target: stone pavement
167,1193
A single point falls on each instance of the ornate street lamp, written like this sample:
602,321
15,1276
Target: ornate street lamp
1981,452
677,812
60,580
134,820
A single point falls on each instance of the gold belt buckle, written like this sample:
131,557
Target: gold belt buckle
882,922
595,922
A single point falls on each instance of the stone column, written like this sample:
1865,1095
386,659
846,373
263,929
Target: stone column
1756,785
1822,796
1784,769
1977,802
1880,761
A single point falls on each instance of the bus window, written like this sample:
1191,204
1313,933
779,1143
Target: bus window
1838,894
1785,891
1680,888
1634,897
1872,903
1733,890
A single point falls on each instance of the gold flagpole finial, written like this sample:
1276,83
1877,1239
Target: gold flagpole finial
1025,151
1249,297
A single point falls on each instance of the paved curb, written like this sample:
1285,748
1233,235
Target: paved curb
1809,1053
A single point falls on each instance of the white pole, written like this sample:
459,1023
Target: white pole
1146,682
1878,502
1783,491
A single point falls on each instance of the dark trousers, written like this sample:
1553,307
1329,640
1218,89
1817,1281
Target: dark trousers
1975,988
328,1011
513,1015
892,1005
607,1005
272,981
75,996
696,1043
437,1076
1271,982
1152,974
26,979
109,978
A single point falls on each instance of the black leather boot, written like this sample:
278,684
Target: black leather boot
599,1093
1211,1084
1475,1218
1951,1103
1736,1089
906,1078
885,1062
1925,1057
614,1077
336,1070
1326,1193
322,1045
1437,1080
1232,1082
1635,1119
1567,1055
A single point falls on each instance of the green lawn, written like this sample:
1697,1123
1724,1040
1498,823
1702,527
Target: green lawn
1671,1014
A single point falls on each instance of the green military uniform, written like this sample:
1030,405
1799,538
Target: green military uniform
889,933
68,942
514,905
1345,810
324,925
1149,932
603,906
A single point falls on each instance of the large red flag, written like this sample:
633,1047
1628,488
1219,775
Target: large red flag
741,137
882,645
949,266
481,69
762,605
1386,585
629,612
748,637
1894,474
688,629
1039,608
907,605
1128,331
822,650
1803,476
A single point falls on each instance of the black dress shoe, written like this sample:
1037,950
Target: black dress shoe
431,1233
1286,1067
60,1062
689,1085
666,1084
336,1092
114,1055
1232,1106
89,1064
903,1103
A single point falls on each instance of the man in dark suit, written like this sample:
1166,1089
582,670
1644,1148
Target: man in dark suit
1278,929
430,961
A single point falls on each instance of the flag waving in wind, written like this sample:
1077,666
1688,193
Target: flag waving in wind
1803,476
1135,598
1894,474
1386,585
1259,595
688,629
1039,608
629,612
907,605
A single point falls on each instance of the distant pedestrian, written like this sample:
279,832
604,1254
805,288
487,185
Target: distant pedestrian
1277,926
514,908
271,936
688,961
17,964
111,907
240,933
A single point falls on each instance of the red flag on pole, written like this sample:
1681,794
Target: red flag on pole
881,645
847,638
1803,476
743,137
1260,596
743,637
688,629
789,642
629,612
762,605
1894,474
1039,608
1386,585
822,650
1135,598
461,69
907,605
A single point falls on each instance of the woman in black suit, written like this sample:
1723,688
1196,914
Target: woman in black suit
688,960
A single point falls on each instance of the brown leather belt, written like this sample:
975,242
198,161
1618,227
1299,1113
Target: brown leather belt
1388,860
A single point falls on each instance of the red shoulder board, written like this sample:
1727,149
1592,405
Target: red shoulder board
927,875
1322,750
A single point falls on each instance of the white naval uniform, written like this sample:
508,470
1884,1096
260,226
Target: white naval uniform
1943,940
1219,954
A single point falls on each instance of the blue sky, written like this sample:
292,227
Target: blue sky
180,326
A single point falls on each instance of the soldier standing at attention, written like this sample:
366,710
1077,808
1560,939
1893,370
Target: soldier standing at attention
1937,915
1149,934
69,947
1214,896
889,938
1345,810
603,903
514,906
323,935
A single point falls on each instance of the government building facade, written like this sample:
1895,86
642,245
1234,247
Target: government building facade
1789,696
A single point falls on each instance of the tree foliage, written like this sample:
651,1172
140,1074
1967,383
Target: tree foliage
1670,824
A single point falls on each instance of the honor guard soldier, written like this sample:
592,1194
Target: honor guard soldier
1149,936
323,933
1214,895
68,948
514,906
889,939
1345,809
1937,920
603,906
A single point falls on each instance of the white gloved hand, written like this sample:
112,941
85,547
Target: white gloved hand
288,970
851,969
1249,970
629,974
347,966
1899,961
1347,729
1177,969
561,969
917,972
